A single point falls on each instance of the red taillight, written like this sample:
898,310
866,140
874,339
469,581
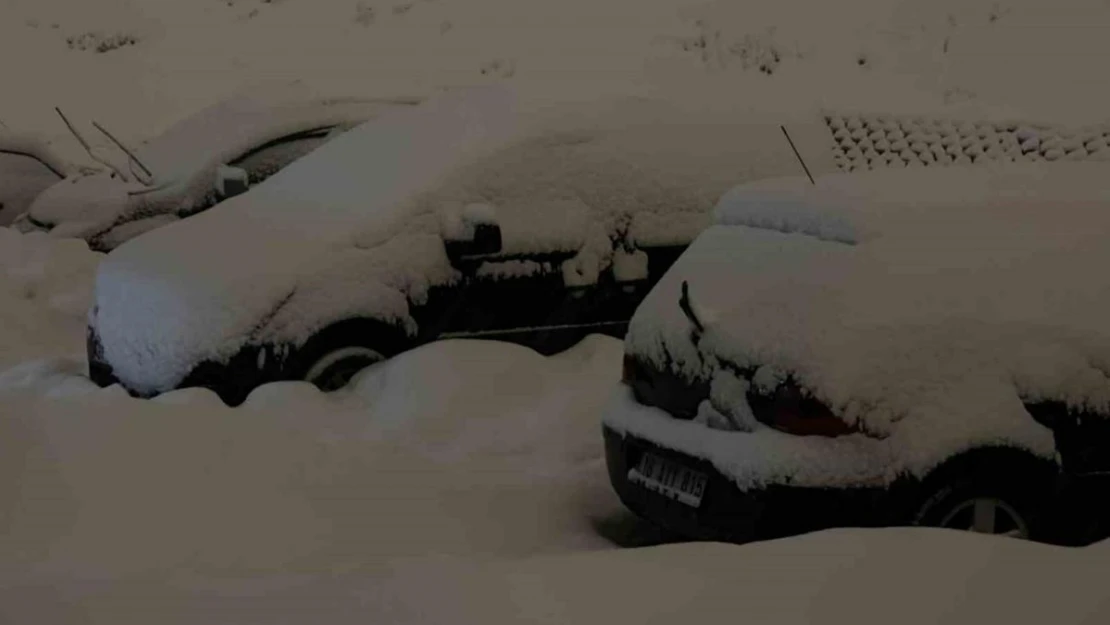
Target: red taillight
789,410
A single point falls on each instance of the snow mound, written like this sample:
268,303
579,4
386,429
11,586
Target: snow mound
304,481
45,292
828,577
969,293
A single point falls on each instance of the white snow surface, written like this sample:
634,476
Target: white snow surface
203,466
45,292
966,291
355,227
870,53
351,507
503,459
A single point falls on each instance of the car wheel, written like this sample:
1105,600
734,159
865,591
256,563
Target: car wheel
332,357
336,368
1000,492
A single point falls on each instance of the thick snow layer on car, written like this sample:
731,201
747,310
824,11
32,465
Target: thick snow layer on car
763,456
184,161
356,227
968,292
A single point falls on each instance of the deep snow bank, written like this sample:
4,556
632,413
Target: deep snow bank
909,577
459,447
45,291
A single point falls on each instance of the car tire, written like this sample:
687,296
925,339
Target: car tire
994,491
332,357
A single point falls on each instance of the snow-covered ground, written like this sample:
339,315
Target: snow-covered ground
462,482
138,65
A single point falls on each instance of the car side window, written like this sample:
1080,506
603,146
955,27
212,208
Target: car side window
267,159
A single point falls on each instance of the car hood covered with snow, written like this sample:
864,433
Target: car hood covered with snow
355,228
918,305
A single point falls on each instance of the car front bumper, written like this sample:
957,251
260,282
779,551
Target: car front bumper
231,381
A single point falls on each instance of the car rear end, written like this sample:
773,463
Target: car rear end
669,480
702,446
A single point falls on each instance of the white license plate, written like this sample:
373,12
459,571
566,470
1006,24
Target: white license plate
670,479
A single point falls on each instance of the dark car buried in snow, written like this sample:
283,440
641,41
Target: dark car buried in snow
482,213
912,348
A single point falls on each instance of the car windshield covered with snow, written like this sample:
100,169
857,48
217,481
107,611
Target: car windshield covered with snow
875,349
196,163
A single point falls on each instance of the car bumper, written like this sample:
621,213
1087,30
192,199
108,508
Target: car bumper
730,514
231,381
790,485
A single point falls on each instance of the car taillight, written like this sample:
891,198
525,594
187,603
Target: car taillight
791,411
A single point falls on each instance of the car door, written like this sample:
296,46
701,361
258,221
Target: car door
527,299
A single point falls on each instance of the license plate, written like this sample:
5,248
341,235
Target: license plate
669,479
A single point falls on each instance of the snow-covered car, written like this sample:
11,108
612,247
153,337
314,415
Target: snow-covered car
482,213
27,168
923,347
195,164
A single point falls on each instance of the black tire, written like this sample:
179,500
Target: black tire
357,339
993,490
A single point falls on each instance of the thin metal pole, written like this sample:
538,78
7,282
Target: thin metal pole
791,142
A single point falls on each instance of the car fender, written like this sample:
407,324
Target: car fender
381,284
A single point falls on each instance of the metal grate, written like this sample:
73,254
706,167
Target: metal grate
863,142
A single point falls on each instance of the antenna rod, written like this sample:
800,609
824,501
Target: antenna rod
85,144
123,147
791,142
80,139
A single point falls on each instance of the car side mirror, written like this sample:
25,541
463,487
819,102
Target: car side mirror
231,181
472,231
